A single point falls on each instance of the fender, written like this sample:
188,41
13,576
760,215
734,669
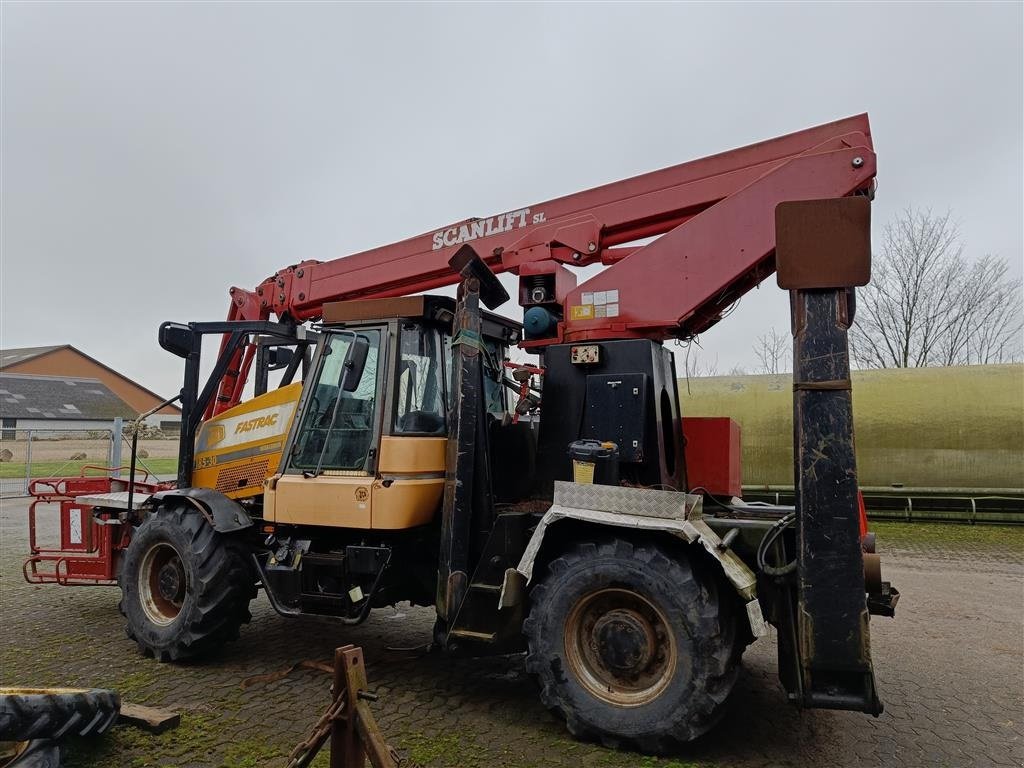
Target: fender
670,512
224,514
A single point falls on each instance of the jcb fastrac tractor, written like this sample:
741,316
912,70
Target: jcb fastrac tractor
564,508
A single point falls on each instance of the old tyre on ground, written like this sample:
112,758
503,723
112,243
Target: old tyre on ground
54,713
632,646
37,753
185,589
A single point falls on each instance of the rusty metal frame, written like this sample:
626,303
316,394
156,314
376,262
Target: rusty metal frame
348,722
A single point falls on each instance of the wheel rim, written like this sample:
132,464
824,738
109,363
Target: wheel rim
619,646
163,583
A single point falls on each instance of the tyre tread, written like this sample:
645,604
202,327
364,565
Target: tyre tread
222,586
27,715
705,611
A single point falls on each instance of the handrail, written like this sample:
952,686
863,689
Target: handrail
108,470
136,425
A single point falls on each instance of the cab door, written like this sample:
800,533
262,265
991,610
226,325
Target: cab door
329,467
411,469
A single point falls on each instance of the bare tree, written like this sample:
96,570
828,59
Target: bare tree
695,367
695,364
927,305
773,350
990,332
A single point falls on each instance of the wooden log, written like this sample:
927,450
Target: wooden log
149,719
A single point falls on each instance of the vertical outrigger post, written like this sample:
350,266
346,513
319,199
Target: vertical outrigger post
823,250
468,507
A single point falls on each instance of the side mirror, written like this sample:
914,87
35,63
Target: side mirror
177,339
279,357
355,362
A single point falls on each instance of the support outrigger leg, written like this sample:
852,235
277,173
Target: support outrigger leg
822,251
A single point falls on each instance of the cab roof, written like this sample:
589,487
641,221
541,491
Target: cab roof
435,309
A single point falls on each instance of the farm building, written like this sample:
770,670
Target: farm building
58,403
67,363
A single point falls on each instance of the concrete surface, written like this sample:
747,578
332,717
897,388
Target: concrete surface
950,670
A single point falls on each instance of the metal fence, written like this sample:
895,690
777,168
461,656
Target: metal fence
935,505
30,454
26,455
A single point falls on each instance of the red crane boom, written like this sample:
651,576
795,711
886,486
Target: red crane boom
713,220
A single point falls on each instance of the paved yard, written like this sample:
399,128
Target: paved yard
950,669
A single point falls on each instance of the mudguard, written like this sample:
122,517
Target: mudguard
224,514
670,512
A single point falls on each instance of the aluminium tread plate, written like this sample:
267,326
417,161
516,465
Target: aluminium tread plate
115,500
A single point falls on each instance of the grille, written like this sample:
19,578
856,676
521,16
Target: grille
246,476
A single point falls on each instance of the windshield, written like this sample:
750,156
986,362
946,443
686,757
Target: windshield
345,444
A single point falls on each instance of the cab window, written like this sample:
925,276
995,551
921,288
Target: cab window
494,373
336,424
494,389
419,397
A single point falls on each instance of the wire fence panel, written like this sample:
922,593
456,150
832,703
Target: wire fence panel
30,454
157,455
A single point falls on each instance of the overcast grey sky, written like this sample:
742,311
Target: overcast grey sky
156,154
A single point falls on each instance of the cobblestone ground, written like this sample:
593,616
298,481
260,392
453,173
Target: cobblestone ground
950,669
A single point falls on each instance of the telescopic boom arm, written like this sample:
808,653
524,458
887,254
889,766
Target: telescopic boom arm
713,220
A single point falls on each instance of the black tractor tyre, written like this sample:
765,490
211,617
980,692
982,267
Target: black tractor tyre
185,589
38,753
54,713
632,646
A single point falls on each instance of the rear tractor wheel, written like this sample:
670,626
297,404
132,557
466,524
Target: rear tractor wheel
185,588
631,646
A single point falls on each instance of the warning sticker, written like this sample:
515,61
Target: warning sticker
75,526
597,304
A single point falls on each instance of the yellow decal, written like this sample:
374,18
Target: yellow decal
582,312
217,435
202,462
258,423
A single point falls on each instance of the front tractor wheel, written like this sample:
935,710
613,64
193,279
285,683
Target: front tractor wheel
631,646
185,588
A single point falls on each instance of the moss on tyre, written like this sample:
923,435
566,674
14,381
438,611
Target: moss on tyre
54,713
185,589
631,646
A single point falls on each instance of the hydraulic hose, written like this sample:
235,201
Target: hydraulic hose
769,539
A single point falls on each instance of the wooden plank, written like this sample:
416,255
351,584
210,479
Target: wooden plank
349,677
149,719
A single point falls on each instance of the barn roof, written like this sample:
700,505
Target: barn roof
59,397
17,356
12,356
